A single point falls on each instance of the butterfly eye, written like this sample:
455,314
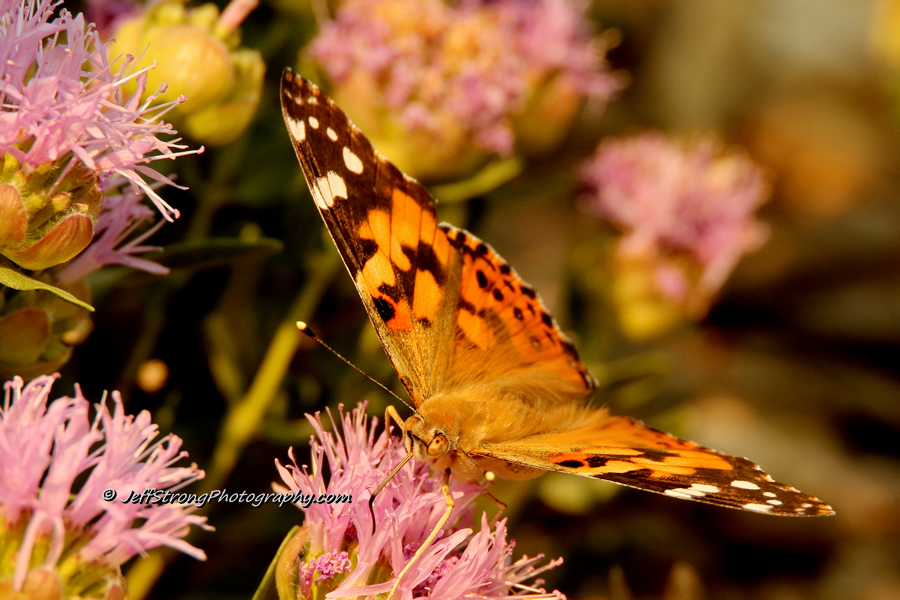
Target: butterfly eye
438,446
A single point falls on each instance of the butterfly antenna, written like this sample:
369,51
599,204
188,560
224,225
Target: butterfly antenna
309,332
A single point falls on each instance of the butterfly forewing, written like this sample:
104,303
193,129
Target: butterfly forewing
383,224
472,342
448,310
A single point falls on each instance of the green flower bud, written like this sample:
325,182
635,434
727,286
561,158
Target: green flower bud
198,56
62,243
222,122
645,312
38,331
13,217
68,581
46,221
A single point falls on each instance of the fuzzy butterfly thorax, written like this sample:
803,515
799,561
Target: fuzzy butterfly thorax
496,384
486,415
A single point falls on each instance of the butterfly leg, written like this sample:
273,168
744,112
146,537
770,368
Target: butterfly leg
500,505
391,413
445,488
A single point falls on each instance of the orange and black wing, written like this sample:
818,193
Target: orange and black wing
625,451
448,310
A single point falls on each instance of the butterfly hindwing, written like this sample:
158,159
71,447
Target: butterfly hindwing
504,329
625,451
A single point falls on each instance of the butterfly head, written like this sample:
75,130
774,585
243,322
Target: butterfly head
427,443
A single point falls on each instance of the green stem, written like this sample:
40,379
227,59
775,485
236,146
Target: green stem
492,176
243,419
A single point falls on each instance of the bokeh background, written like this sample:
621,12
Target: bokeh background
796,364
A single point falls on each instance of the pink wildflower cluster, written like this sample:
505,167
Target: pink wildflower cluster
344,541
675,201
60,94
45,447
472,62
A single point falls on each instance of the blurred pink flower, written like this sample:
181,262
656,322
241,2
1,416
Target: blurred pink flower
470,63
678,201
45,447
405,512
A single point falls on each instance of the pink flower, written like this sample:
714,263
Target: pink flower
677,202
463,69
63,101
405,512
45,447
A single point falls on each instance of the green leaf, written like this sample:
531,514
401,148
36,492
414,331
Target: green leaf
215,252
12,278
267,589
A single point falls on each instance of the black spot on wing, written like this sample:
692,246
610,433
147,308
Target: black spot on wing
385,309
571,464
624,479
428,261
457,237
366,250
466,306
569,349
656,454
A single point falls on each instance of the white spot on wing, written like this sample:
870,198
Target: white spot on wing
313,122
331,134
757,507
352,161
331,186
774,502
319,198
338,187
298,129
770,494
744,485
706,489
679,493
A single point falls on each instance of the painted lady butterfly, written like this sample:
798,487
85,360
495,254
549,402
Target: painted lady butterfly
497,386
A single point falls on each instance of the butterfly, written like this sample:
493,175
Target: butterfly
497,387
